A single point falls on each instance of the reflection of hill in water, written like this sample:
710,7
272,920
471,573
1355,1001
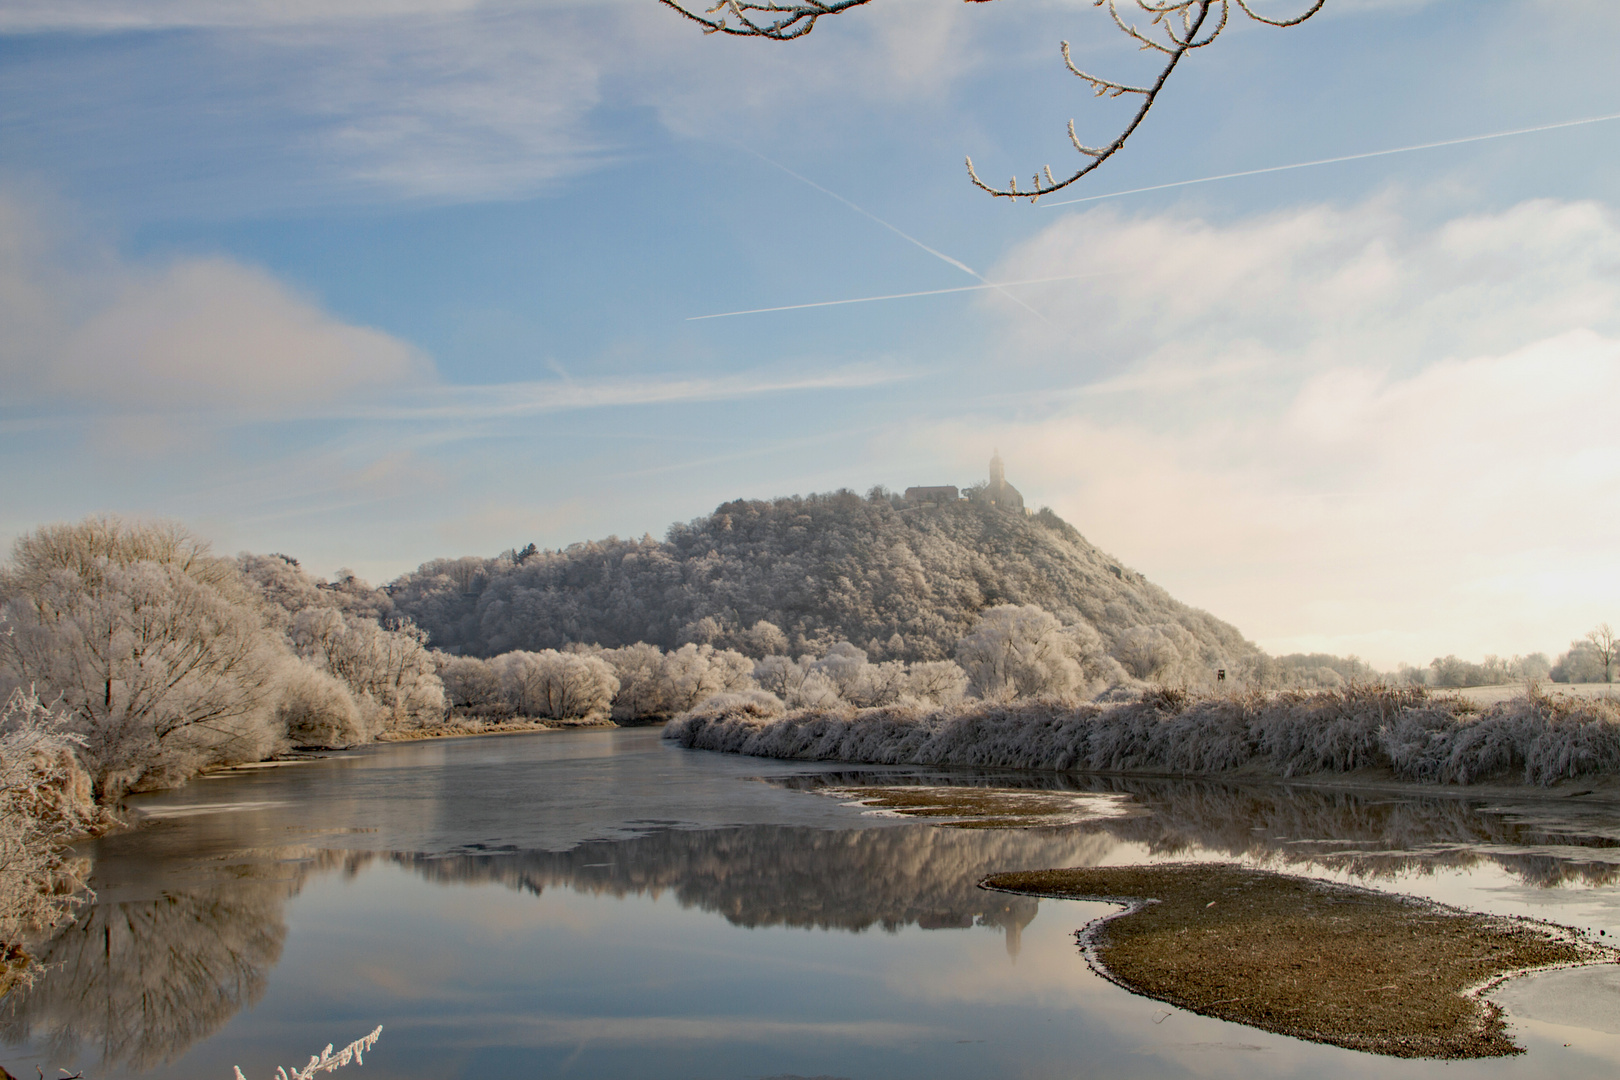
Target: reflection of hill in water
159,963
799,877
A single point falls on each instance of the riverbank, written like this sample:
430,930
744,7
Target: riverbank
1311,959
1368,733
457,729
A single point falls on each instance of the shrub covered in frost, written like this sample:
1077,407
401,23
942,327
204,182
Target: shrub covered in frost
1406,731
45,801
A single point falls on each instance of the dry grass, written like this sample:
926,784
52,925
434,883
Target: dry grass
1315,960
981,807
456,729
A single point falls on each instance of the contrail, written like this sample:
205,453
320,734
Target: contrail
958,263
1336,160
999,285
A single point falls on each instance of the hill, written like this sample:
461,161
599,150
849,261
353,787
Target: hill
902,580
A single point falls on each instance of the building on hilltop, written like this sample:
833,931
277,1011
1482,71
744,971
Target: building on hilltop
944,494
998,493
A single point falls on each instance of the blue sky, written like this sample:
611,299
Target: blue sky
374,281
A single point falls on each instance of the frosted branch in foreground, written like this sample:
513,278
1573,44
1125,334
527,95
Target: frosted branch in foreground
1175,28
1195,32
328,1061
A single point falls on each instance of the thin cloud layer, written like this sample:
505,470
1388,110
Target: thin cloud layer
1320,285
1343,432
435,100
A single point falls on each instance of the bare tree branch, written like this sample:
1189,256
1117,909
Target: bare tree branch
779,22
1176,27
1194,32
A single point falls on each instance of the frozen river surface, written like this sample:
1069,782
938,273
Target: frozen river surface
603,904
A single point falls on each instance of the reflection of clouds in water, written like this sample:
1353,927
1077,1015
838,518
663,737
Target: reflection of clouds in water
529,1030
158,963
1578,998
160,813
140,980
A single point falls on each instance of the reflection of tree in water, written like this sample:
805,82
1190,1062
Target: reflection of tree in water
800,877
144,973
1371,834
139,981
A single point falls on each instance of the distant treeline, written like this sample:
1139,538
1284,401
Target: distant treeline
155,659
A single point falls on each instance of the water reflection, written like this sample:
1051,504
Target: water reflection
1372,835
137,982
191,915
806,878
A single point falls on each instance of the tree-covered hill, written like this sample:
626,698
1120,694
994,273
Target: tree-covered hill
901,581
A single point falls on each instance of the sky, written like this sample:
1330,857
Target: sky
370,282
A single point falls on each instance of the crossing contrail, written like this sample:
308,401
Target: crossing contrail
1336,160
958,263
998,285
1001,286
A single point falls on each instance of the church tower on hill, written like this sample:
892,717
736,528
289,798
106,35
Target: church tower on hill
1000,494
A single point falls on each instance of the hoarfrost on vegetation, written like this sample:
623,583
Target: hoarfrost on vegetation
1406,731
44,802
327,1061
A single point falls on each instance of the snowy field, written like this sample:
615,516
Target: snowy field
1489,695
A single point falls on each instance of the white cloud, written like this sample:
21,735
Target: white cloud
1341,431
86,328
1319,284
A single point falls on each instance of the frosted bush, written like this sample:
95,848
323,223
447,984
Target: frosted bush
317,709
1402,730
45,801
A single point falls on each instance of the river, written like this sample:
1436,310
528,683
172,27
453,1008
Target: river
605,904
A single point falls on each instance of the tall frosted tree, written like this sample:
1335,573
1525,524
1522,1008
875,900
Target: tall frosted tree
161,653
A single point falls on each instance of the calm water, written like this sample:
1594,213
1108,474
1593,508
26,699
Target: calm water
602,904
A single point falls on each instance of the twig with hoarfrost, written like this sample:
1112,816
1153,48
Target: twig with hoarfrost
328,1061
1194,32
1176,27
779,22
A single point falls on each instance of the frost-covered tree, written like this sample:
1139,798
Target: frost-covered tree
348,631
1582,663
779,675
470,684
163,655
1019,651
558,686
1603,643
389,669
939,683
695,672
318,710
644,688
764,638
